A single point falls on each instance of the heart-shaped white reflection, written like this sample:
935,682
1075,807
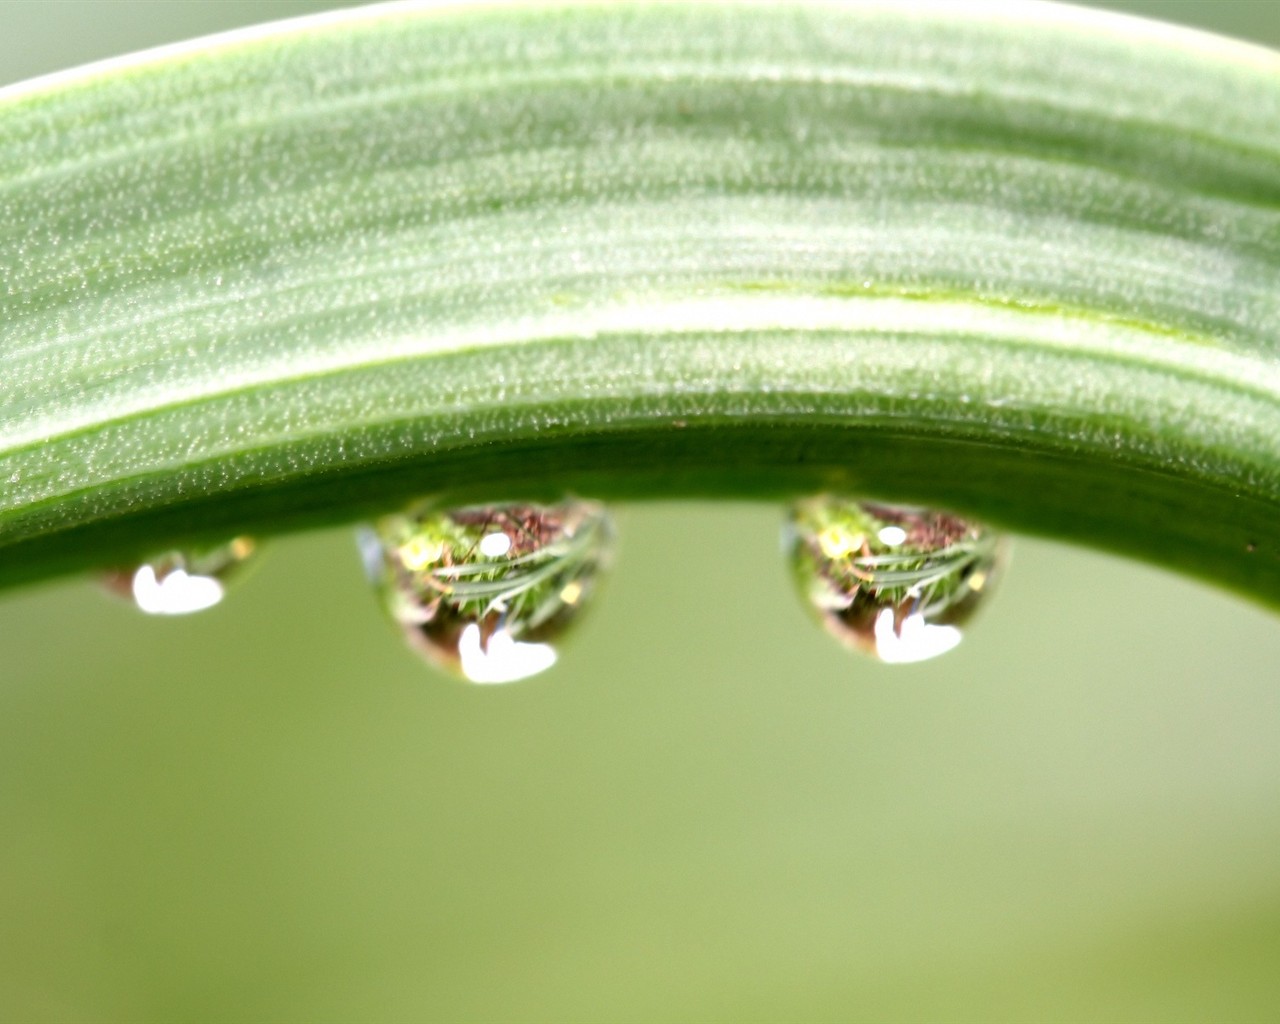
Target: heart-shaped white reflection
176,593
914,640
504,659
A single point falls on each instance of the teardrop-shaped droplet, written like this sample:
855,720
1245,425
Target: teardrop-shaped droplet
181,581
485,591
894,581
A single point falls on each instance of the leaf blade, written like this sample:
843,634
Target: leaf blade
420,248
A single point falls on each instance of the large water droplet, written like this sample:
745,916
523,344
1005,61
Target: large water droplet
181,581
894,581
485,590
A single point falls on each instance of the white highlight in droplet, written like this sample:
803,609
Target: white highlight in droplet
504,660
495,545
177,593
916,640
892,535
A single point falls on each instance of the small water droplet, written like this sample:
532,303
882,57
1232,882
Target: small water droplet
894,581
181,581
484,591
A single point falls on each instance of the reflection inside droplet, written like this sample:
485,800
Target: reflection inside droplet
894,581
502,659
485,591
892,536
180,582
495,545
914,639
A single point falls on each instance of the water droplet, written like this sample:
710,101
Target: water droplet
484,591
181,581
894,581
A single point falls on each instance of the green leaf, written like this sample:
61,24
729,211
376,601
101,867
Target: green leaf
1023,264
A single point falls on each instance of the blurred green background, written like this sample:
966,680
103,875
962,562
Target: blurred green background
708,812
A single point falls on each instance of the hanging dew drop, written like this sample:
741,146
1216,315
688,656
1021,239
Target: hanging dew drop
893,581
181,581
486,591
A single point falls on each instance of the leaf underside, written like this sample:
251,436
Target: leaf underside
1024,266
